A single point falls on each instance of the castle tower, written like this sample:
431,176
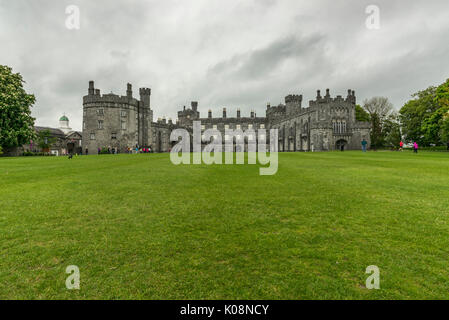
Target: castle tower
145,116
109,120
293,103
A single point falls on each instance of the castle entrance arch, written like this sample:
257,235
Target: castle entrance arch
341,144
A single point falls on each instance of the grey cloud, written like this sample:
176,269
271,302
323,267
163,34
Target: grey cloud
222,53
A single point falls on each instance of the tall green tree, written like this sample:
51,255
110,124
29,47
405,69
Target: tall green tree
424,117
392,131
361,114
16,123
379,109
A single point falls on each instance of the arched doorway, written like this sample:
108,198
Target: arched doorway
341,145
71,148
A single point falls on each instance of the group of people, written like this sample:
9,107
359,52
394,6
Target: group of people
107,150
401,146
415,146
114,150
138,149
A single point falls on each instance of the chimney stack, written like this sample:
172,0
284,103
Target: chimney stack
129,91
91,90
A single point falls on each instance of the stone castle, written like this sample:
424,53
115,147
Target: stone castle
122,122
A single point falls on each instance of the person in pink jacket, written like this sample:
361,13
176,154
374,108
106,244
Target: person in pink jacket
415,147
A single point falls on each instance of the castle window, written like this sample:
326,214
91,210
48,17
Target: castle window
226,126
262,126
84,125
113,136
250,126
92,136
215,127
100,112
123,125
238,127
262,137
203,127
100,124
123,113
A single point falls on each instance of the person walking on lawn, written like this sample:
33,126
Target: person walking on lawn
364,143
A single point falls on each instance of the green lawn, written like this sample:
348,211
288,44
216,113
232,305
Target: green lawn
139,227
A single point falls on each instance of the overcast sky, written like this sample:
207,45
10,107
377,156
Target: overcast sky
222,53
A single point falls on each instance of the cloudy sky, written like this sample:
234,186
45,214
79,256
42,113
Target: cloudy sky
234,54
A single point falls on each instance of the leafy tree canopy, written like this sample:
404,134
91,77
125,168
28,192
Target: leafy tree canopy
424,118
380,109
16,123
361,114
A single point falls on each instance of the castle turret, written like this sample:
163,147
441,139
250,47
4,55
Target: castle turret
91,90
194,105
293,103
145,94
129,91
238,113
224,112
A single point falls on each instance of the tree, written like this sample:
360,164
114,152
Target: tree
16,123
378,105
1,152
45,139
445,128
392,131
423,118
379,109
361,114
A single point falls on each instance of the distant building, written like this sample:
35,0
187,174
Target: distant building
66,141
64,124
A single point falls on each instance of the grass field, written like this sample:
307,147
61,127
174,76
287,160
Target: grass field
139,227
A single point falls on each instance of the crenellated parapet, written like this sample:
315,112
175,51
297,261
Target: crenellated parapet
350,98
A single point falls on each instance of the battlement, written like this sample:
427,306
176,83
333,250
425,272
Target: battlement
109,99
145,91
350,98
95,97
292,98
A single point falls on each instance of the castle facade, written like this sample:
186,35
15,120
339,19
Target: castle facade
122,122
